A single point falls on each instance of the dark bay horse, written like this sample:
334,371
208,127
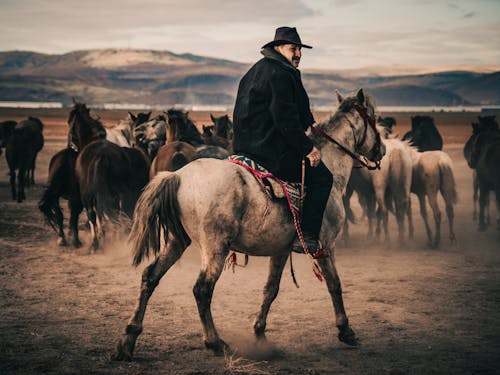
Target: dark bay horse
487,125
62,183
110,177
485,159
217,206
23,145
423,134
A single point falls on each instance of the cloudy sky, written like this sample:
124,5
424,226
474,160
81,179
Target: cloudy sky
344,33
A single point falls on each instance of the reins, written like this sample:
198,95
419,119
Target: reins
363,112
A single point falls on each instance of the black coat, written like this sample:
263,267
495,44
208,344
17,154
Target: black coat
271,116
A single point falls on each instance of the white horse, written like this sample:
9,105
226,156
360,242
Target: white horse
218,206
122,133
392,184
433,172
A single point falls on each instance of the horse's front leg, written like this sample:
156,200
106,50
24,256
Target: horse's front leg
346,334
150,279
13,189
271,289
212,266
76,208
21,181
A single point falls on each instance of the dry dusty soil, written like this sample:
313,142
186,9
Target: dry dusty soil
415,309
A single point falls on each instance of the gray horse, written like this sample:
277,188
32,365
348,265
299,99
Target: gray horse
218,206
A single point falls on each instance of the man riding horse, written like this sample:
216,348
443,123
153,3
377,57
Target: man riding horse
271,116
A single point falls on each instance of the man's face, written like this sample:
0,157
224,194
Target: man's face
291,52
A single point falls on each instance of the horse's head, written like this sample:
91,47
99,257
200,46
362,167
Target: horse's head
208,130
150,136
183,129
83,129
367,139
223,126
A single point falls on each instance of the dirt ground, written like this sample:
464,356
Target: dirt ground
416,310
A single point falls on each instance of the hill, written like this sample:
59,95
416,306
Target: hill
165,78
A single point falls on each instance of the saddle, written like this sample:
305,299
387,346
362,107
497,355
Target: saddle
273,187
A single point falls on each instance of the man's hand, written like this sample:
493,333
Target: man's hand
314,157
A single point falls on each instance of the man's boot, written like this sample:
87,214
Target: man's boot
313,246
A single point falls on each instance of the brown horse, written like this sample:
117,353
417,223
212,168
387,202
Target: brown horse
23,145
174,154
110,177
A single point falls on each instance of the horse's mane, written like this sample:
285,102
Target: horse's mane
344,108
83,113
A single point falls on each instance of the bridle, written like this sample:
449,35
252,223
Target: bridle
368,121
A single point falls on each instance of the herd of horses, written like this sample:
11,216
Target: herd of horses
168,181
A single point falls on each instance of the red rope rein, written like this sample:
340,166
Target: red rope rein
295,213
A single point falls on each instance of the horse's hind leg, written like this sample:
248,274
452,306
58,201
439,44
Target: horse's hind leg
437,218
475,187
212,266
271,289
92,218
150,278
451,216
423,213
346,334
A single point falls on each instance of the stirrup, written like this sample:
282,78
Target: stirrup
314,247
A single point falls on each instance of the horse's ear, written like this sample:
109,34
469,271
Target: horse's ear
167,119
340,98
475,127
149,115
131,116
361,97
186,115
212,118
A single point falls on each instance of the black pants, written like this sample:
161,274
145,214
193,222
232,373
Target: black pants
318,183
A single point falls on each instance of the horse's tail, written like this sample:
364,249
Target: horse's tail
105,197
156,209
448,185
49,203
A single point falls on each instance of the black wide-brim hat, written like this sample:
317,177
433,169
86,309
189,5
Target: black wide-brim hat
286,35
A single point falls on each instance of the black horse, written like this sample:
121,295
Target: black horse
62,182
22,147
486,125
186,129
423,134
6,130
485,159
110,177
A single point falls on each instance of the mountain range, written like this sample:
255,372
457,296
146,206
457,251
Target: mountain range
163,78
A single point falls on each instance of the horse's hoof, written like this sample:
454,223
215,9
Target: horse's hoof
122,354
62,242
347,336
482,227
77,244
219,347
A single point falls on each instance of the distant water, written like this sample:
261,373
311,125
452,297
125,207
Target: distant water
221,108
30,105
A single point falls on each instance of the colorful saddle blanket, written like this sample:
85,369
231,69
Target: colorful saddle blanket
274,187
